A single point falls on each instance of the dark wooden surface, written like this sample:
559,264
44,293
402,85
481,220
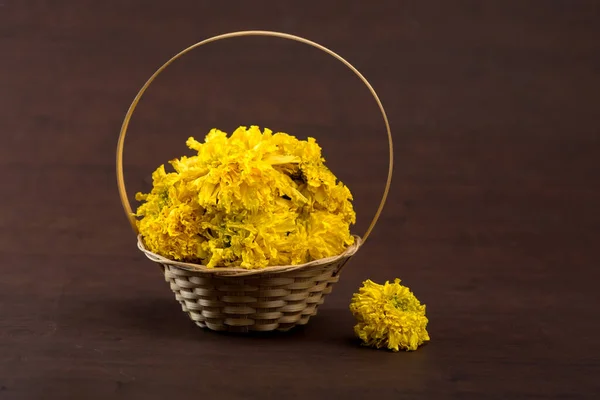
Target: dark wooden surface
493,219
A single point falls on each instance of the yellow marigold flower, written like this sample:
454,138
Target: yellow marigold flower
250,200
389,316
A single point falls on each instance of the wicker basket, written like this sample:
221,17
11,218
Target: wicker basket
241,300
227,299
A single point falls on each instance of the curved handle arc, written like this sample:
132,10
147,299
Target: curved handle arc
136,100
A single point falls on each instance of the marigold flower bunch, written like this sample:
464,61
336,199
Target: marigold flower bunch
249,200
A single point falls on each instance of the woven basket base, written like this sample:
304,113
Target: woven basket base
265,302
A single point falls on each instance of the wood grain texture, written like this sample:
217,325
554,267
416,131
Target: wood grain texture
492,219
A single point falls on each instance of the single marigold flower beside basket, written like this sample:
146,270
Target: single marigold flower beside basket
252,230
389,316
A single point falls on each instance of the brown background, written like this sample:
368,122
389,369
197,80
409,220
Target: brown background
492,220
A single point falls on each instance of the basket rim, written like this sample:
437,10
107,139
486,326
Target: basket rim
234,271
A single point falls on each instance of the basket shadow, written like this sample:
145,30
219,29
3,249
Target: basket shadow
163,317
155,316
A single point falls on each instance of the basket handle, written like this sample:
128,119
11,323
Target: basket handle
136,100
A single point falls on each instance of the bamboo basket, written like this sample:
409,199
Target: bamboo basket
241,300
